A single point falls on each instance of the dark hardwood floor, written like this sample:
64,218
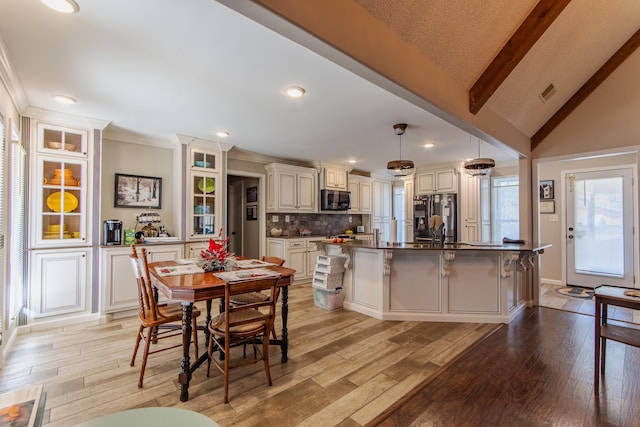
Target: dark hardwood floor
537,371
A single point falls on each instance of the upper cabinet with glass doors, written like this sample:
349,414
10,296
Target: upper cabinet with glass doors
59,209
60,140
205,192
203,206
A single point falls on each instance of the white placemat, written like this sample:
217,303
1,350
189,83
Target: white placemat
248,274
176,270
252,263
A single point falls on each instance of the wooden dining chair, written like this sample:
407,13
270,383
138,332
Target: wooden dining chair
250,297
243,325
157,321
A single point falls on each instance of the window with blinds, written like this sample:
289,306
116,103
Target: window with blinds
2,185
17,219
3,158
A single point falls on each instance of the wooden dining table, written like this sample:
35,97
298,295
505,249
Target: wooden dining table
191,288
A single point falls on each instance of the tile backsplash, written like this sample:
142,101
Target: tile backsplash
318,224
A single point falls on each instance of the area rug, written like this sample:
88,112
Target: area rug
576,292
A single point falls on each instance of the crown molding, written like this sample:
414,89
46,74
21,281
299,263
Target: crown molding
64,119
202,143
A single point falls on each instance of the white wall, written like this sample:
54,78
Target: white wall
137,159
608,118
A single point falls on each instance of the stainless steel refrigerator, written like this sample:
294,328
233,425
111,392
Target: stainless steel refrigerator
428,205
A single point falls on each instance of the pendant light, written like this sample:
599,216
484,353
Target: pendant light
400,167
480,166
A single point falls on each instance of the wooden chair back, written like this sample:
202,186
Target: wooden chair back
243,324
147,303
234,321
273,260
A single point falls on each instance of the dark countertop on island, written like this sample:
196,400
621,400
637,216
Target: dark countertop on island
465,246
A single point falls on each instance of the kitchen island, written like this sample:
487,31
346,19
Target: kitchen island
462,282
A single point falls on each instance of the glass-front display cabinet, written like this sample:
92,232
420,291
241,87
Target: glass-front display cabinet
60,140
60,202
205,187
204,160
204,205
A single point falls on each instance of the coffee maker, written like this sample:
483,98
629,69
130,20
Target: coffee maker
112,232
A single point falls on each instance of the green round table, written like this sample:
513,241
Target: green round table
152,417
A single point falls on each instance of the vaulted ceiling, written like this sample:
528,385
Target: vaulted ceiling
191,68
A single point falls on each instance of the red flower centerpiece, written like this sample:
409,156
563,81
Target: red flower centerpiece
216,257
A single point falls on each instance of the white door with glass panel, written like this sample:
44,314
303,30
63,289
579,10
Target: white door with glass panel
600,228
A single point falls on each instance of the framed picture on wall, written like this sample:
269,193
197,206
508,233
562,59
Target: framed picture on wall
252,194
135,191
548,207
252,213
546,190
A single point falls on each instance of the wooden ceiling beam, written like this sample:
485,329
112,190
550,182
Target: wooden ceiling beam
601,75
531,29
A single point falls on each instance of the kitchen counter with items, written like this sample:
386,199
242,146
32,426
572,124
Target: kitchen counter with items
465,246
462,282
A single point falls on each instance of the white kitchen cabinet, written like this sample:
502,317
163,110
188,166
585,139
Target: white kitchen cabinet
382,201
360,189
193,249
61,169
485,208
118,281
277,248
64,141
312,257
334,178
203,194
406,222
299,254
384,227
438,181
367,237
59,221
291,189
470,208
157,253
58,281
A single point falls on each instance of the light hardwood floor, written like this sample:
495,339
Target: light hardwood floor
344,369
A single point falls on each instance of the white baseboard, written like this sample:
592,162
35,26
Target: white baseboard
552,282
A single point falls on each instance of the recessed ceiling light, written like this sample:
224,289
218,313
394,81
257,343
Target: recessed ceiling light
429,145
222,133
64,99
352,161
295,91
64,6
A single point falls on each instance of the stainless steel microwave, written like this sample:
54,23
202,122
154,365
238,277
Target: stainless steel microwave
335,200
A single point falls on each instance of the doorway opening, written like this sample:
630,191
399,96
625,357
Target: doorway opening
246,214
589,214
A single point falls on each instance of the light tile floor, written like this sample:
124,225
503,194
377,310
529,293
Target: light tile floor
550,297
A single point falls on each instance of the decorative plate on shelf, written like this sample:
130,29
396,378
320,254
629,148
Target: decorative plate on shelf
54,201
207,185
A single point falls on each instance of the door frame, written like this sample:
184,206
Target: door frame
634,208
261,205
235,212
536,218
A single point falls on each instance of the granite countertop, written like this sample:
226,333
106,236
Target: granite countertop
469,246
317,236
